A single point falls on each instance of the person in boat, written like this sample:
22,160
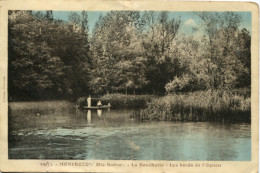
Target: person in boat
89,101
99,103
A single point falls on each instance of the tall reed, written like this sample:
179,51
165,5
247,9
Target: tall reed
199,106
127,101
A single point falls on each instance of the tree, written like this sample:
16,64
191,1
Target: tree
49,15
222,33
159,34
216,61
33,68
116,46
243,53
47,58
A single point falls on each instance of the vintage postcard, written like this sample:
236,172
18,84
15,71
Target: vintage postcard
129,86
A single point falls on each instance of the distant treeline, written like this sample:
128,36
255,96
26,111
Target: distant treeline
127,52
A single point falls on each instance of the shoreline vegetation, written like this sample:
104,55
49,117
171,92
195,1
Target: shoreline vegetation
119,101
210,106
213,106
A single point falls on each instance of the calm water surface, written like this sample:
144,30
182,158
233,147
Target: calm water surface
55,130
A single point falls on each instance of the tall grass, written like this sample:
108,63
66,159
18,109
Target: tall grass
127,101
199,106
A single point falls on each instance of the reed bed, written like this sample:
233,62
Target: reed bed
127,101
199,106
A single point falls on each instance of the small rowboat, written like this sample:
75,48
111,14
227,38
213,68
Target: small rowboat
97,107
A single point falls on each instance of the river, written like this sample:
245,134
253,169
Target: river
59,131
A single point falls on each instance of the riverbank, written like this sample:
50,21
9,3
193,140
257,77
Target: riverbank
199,106
232,106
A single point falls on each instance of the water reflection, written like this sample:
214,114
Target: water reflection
89,116
99,112
66,133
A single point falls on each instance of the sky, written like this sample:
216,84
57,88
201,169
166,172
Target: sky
189,20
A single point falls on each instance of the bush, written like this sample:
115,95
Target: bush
186,83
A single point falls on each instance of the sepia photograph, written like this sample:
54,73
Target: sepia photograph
150,86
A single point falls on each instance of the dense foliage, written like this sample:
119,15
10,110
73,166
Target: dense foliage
127,52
